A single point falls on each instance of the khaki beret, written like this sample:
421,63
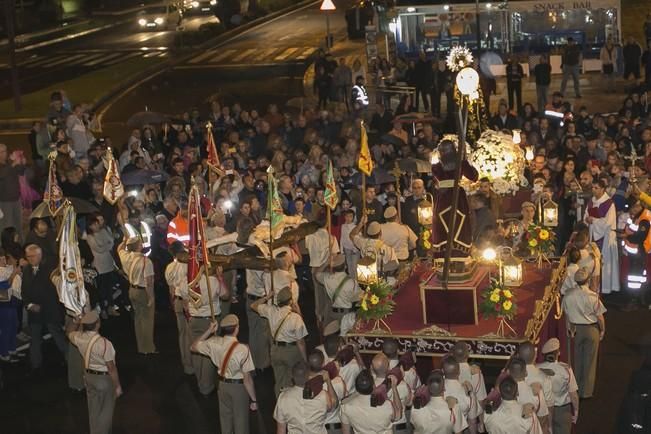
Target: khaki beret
90,317
551,345
373,229
527,204
390,212
284,295
229,320
338,260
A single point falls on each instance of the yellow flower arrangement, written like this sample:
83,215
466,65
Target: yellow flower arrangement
533,242
507,305
544,234
375,299
495,298
508,294
498,302
496,291
364,305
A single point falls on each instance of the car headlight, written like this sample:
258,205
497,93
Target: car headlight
159,21
195,4
142,22
213,2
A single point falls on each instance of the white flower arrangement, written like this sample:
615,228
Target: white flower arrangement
459,58
500,160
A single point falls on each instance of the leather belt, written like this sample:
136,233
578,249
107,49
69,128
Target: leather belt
564,405
342,309
253,297
284,344
332,426
594,324
92,371
138,287
230,380
204,317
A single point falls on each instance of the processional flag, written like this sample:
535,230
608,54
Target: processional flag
213,157
72,292
365,161
197,251
53,195
330,194
113,187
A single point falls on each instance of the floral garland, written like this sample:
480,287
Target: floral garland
500,160
540,240
498,302
459,58
377,302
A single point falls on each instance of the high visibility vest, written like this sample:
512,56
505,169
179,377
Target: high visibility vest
631,228
178,230
360,95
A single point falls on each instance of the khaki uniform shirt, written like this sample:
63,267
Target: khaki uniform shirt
255,283
507,419
535,375
101,352
349,292
411,376
302,416
404,391
203,309
136,266
438,418
176,275
217,347
377,248
291,329
282,279
357,412
526,396
563,382
334,416
477,381
582,306
454,389
318,248
400,237
349,374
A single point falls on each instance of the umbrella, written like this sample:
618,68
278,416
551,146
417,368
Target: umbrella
414,165
80,206
139,119
390,139
487,60
144,176
378,176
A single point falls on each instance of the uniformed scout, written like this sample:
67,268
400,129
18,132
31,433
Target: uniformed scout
584,313
101,375
511,417
283,275
200,320
372,245
332,383
259,334
296,413
176,275
564,388
463,393
467,372
438,416
527,394
140,272
342,290
359,413
318,247
537,379
234,364
397,235
380,371
288,333
331,328
349,361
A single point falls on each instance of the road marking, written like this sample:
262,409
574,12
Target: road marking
66,59
224,54
288,52
125,57
285,37
264,53
104,59
243,54
40,60
203,56
306,53
152,54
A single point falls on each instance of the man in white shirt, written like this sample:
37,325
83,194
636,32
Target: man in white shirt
282,276
176,275
259,334
372,245
511,417
528,393
463,393
350,251
439,415
396,235
380,372
537,379
342,291
318,247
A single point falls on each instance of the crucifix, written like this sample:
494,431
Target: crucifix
633,158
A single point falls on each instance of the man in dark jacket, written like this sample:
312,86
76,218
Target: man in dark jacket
423,80
503,120
632,56
543,74
514,74
42,303
10,170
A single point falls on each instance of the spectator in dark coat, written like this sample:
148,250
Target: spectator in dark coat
632,56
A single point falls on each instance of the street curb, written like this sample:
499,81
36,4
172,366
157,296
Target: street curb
26,123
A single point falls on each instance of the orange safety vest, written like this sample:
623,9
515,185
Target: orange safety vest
178,230
631,228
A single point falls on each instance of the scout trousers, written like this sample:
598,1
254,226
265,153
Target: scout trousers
586,347
562,419
184,337
75,364
259,337
143,320
204,369
233,408
101,402
283,360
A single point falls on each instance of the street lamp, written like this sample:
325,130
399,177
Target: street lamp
328,6
367,273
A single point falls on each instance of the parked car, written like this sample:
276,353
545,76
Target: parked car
199,7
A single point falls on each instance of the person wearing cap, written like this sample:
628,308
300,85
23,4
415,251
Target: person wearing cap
176,275
197,304
359,413
584,313
282,275
236,392
259,334
372,245
297,413
317,245
528,395
439,415
342,290
140,273
398,235
288,333
565,409
511,417
101,373
178,228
